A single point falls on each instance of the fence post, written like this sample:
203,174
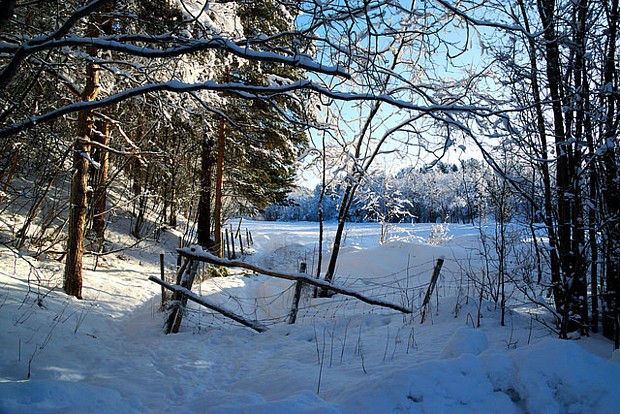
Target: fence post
179,245
431,286
227,246
240,243
185,278
163,277
232,242
297,296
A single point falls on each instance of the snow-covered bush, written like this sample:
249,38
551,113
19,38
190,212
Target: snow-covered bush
439,234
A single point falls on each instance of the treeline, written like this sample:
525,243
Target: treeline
467,192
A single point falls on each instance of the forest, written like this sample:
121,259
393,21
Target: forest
188,113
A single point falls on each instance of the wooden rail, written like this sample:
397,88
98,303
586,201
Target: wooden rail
194,253
202,301
187,273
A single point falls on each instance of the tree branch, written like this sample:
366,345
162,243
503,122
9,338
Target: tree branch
179,46
29,47
244,91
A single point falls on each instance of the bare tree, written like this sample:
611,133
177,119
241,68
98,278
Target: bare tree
555,59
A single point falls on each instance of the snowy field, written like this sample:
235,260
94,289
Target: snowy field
108,353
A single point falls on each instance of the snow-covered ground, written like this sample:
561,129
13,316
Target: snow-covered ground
108,353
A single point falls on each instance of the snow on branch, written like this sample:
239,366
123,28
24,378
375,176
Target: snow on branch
170,46
28,48
245,91
80,13
486,23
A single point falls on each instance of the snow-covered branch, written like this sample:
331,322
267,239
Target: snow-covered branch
246,91
486,23
169,46
29,47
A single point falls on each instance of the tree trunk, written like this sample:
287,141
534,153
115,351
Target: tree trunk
611,191
79,191
140,186
320,209
172,194
565,203
11,168
579,287
100,179
219,184
72,282
172,218
342,218
204,204
6,10
592,231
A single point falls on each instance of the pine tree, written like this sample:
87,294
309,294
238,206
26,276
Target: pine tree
259,142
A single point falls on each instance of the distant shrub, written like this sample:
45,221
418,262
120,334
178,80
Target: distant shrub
439,234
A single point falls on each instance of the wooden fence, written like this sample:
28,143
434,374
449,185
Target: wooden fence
188,271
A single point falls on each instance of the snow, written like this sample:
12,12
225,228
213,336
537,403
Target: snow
108,353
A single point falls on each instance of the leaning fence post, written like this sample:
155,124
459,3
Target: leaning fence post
431,286
297,296
185,279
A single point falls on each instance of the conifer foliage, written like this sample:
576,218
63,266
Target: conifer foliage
84,57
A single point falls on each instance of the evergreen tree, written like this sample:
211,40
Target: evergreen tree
263,137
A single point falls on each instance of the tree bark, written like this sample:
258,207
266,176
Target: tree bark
320,208
543,154
566,270
611,191
204,204
139,205
11,168
6,10
579,287
102,157
342,218
79,181
219,190
72,282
